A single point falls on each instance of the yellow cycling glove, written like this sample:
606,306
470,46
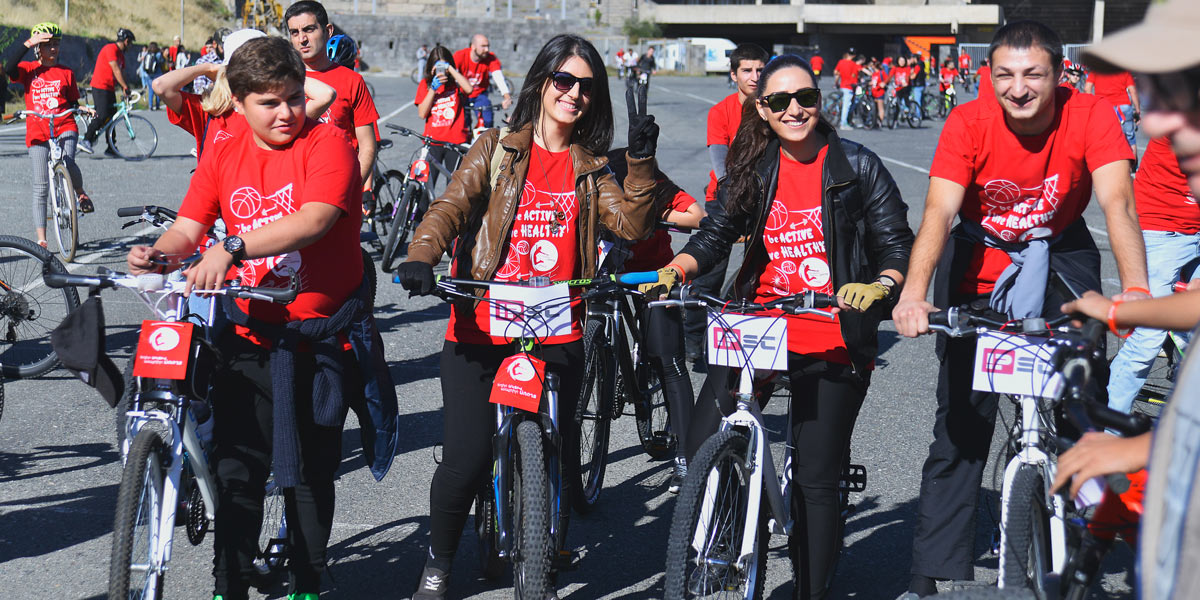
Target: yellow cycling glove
668,277
860,296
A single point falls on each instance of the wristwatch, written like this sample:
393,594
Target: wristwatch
236,248
884,280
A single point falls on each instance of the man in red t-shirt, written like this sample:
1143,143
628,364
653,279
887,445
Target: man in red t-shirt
1120,90
818,65
482,68
1018,174
172,54
984,75
289,194
108,73
353,111
846,72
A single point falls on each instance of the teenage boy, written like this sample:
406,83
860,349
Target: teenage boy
106,75
288,190
1018,172
353,111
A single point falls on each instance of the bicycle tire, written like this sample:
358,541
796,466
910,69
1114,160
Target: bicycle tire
594,416
1025,553
725,454
272,536
389,192
893,116
653,414
415,75
29,309
914,119
133,137
139,500
64,206
490,563
531,507
402,223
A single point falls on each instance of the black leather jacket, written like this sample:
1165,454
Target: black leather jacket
865,223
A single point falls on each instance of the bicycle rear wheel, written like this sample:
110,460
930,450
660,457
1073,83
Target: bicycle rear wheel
711,513
64,212
133,137
653,414
594,415
137,527
272,537
402,224
1025,553
390,190
29,309
531,507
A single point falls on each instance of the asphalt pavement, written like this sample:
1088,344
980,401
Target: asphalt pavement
59,466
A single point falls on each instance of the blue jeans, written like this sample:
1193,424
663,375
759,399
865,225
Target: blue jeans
1166,253
918,96
1128,127
151,97
847,97
483,106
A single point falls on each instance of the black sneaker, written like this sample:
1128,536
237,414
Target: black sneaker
679,474
433,585
109,152
85,204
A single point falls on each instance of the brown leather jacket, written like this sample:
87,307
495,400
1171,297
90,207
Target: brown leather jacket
486,218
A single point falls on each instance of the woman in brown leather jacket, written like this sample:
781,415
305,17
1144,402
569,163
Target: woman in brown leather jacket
539,216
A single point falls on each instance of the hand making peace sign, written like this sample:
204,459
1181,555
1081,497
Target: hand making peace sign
643,131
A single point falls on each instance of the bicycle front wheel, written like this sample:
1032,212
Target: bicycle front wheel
64,212
137,527
594,415
653,414
531,506
29,309
390,191
403,221
133,137
272,536
1025,553
709,524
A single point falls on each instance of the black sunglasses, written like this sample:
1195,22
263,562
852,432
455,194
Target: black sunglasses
1174,91
564,81
780,101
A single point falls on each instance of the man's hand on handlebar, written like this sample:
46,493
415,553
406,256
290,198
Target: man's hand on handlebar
1091,304
1098,454
144,259
912,317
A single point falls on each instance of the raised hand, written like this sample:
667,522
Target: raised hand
643,131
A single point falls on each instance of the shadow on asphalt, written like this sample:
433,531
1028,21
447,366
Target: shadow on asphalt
19,466
75,517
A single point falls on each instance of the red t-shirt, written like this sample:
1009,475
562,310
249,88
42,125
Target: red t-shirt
985,82
900,76
535,246
946,78
879,82
1164,200
48,90
655,252
1025,187
353,106
172,54
723,121
847,73
817,63
794,238
476,72
447,119
964,63
193,119
102,75
249,187
1112,87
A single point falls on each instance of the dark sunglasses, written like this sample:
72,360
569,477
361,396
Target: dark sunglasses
780,101
1174,91
564,81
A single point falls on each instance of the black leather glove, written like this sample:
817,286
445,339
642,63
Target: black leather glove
643,131
416,277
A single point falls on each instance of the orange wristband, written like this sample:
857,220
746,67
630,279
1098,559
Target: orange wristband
1137,289
678,269
1112,321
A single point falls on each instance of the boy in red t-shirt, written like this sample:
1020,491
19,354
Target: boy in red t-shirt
289,193
1018,174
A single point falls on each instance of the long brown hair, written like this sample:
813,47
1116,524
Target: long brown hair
751,141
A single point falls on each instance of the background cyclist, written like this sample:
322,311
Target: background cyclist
108,73
49,89
482,68
1018,170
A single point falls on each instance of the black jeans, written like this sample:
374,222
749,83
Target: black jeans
826,398
467,371
664,344
105,101
241,454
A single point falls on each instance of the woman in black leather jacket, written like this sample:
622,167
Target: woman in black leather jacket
819,213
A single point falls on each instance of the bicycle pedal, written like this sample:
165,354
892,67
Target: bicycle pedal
854,478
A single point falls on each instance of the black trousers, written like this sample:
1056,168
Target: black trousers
469,424
105,101
241,454
664,344
826,398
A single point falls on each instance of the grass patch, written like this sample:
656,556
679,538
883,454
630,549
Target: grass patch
150,20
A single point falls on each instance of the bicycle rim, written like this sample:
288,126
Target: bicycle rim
29,309
137,527
595,416
272,537
654,414
65,213
133,137
402,222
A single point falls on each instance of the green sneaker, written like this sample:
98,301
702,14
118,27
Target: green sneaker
302,596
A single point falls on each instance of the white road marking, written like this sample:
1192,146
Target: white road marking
700,98
394,113
105,252
904,164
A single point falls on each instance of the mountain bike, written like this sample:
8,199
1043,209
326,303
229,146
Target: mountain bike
415,197
519,513
131,136
164,446
949,99
720,527
63,200
387,185
831,106
1045,368
897,110
28,309
862,109
932,102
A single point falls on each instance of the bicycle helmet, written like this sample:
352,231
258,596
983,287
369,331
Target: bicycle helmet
341,50
47,27
125,34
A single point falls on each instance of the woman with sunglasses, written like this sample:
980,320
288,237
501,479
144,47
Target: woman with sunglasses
539,216
819,213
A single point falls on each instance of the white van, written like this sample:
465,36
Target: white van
716,53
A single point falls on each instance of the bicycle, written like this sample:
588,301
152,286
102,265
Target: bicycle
720,528
949,101
387,185
131,136
164,446
897,110
862,109
831,106
519,512
416,194
63,200
475,117
28,309
933,102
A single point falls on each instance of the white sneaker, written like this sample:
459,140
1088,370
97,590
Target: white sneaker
679,474
85,146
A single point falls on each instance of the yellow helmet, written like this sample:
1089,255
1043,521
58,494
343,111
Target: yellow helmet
47,27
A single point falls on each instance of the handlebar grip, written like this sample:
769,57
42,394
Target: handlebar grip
1128,425
1093,331
57,280
638,277
276,295
130,211
940,317
824,301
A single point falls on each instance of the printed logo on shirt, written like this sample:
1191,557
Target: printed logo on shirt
221,136
1014,213
444,110
256,210
45,94
536,220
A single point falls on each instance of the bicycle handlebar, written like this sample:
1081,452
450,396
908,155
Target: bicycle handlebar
669,226
453,286
21,114
963,321
158,283
149,209
402,130
809,302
